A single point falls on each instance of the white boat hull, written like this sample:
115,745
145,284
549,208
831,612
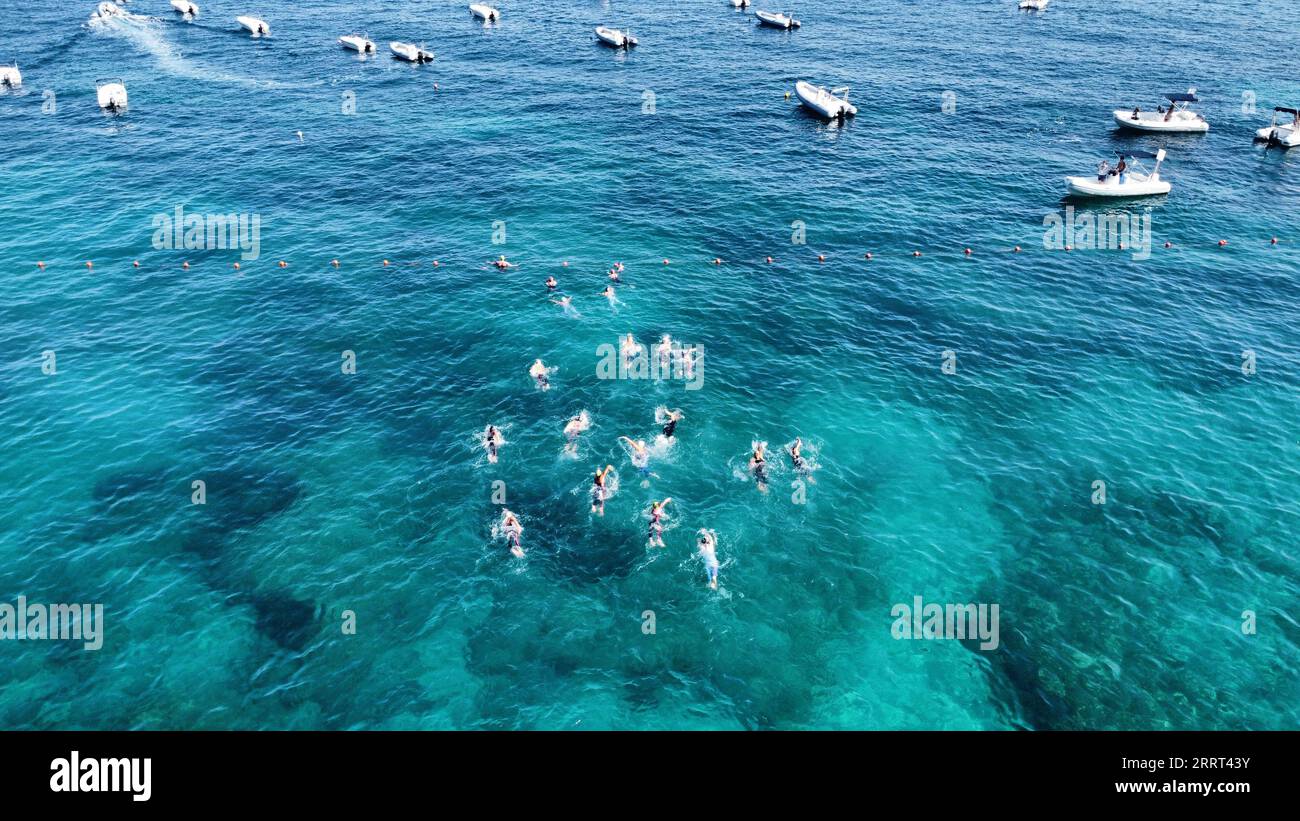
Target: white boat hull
615,38
776,21
10,76
185,7
358,44
1034,5
410,52
106,10
1183,122
1284,135
485,13
256,27
111,96
1132,186
823,102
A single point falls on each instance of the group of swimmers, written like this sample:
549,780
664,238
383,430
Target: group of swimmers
638,451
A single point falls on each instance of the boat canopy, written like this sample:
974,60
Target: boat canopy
1187,97
1141,155
1286,110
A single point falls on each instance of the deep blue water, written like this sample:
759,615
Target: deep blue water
368,492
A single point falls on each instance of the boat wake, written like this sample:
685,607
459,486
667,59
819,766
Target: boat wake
146,35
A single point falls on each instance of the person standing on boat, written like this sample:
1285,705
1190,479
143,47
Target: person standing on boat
1103,170
1121,169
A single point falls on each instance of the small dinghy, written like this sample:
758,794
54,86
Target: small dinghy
11,76
111,93
1179,117
833,104
106,10
484,12
256,27
776,21
1286,135
410,52
185,7
615,38
1034,5
1127,179
357,43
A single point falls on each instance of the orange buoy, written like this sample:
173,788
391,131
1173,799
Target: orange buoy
565,264
665,260
821,257
135,264
1273,241
90,264
1222,242
916,253
385,263
717,260
185,265
967,252
769,259
1067,247
236,266
867,255
435,263
1168,244
1016,249
40,265
334,262
284,264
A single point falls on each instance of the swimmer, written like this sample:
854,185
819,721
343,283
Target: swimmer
631,349
501,264
800,464
541,374
613,275
758,465
665,352
566,302
691,357
575,425
551,284
513,530
656,522
609,294
598,490
670,418
492,440
640,454
708,543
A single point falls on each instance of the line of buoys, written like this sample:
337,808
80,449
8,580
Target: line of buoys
868,255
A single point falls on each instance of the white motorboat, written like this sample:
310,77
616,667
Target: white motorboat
357,43
776,21
484,12
185,7
11,76
833,104
106,10
615,38
256,27
739,4
1034,5
1286,135
1178,117
410,52
1127,179
111,93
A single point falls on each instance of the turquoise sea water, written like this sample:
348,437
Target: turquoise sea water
329,492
